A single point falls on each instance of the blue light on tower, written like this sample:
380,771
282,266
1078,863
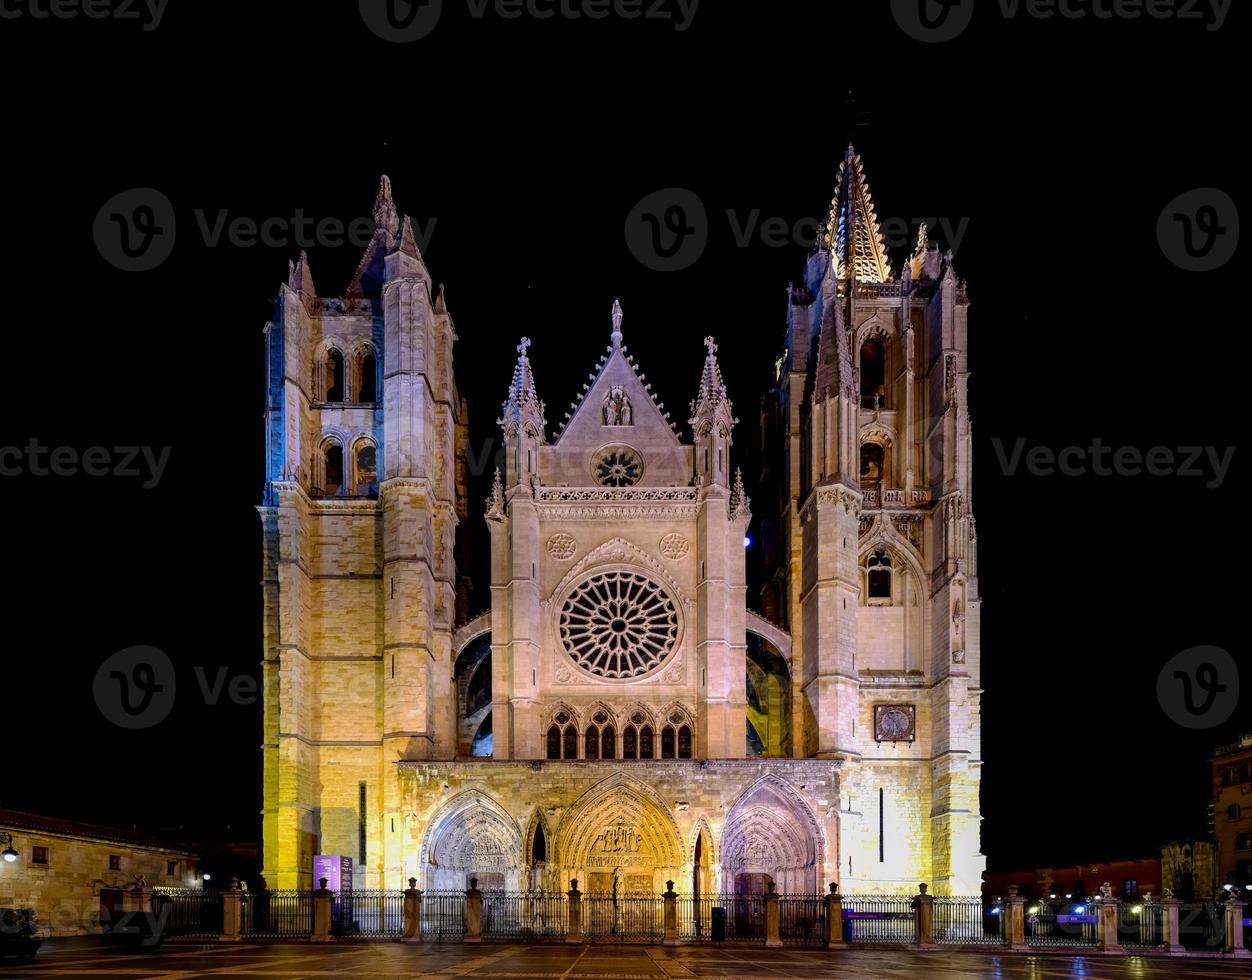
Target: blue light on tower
747,541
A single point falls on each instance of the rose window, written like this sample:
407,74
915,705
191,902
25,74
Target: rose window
617,466
619,625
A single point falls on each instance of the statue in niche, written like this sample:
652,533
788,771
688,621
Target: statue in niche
617,409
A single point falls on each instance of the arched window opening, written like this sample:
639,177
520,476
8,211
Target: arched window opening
646,749
873,375
332,469
539,847
570,748
367,378
554,742
366,469
667,742
878,575
591,748
334,376
630,743
871,462
684,742
482,739
600,740
608,743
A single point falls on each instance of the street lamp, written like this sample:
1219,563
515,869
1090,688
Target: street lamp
8,853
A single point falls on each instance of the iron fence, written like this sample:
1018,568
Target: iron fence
533,918
367,914
630,919
962,921
737,918
188,911
1140,924
879,919
1073,925
443,917
277,914
801,920
1202,925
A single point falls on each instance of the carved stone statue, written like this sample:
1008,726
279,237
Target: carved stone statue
1106,892
617,409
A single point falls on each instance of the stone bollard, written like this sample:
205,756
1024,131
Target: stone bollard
771,916
412,913
232,913
1015,920
321,914
671,915
574,931
924,916
1106,924
473,913
1169,925
1234,929
834,918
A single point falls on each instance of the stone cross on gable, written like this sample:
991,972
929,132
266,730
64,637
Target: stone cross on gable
523,346
711,344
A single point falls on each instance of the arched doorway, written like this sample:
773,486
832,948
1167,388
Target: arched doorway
771,835
471,836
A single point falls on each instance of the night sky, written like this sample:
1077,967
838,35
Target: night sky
527,142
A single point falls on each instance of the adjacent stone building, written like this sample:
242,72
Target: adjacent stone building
1232,812
621,714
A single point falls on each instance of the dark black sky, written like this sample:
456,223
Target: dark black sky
528,142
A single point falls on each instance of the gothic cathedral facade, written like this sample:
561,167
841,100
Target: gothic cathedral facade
622,714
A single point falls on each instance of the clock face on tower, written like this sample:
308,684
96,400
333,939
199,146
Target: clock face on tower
895,722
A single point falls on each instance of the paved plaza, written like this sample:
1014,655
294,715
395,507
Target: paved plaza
80,959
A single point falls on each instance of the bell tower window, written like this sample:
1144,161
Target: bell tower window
873,375
878,575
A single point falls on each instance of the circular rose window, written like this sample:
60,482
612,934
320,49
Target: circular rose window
617,466
619,625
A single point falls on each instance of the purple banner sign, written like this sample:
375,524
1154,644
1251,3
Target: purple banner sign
336,869
1076,920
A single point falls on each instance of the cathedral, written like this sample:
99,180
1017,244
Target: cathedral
627,712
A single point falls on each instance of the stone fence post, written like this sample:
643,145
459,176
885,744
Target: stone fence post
1234,929
924,916
834,918
1015,920
232,913
671,915
1106,924
574,931
321,914
771,916
473,913
412,913
1169,925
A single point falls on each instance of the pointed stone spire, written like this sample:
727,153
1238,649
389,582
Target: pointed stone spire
408,244
739,503
523,402
712,395
617,324
441,300
300,278
495,502
385,214
853,236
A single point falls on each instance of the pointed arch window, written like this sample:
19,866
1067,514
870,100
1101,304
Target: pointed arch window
878,577
561,738
637,735
331,481
366,462
332,376
677,736
367,376
554,742
600,737
873,374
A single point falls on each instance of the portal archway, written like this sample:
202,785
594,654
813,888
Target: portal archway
619,830
771,835
471,836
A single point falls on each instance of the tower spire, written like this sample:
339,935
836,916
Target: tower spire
523,402
853,235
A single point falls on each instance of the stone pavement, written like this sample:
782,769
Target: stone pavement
287,962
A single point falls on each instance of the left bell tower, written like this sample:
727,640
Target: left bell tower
360,509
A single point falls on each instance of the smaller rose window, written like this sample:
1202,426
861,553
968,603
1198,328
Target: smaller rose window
617,466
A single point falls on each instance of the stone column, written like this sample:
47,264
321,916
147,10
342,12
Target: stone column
473,913
771,917
574,932
1169,925
412,913
671,915
924,916
1015,920
1106,923
321,914
834,918
232,913
1234,929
